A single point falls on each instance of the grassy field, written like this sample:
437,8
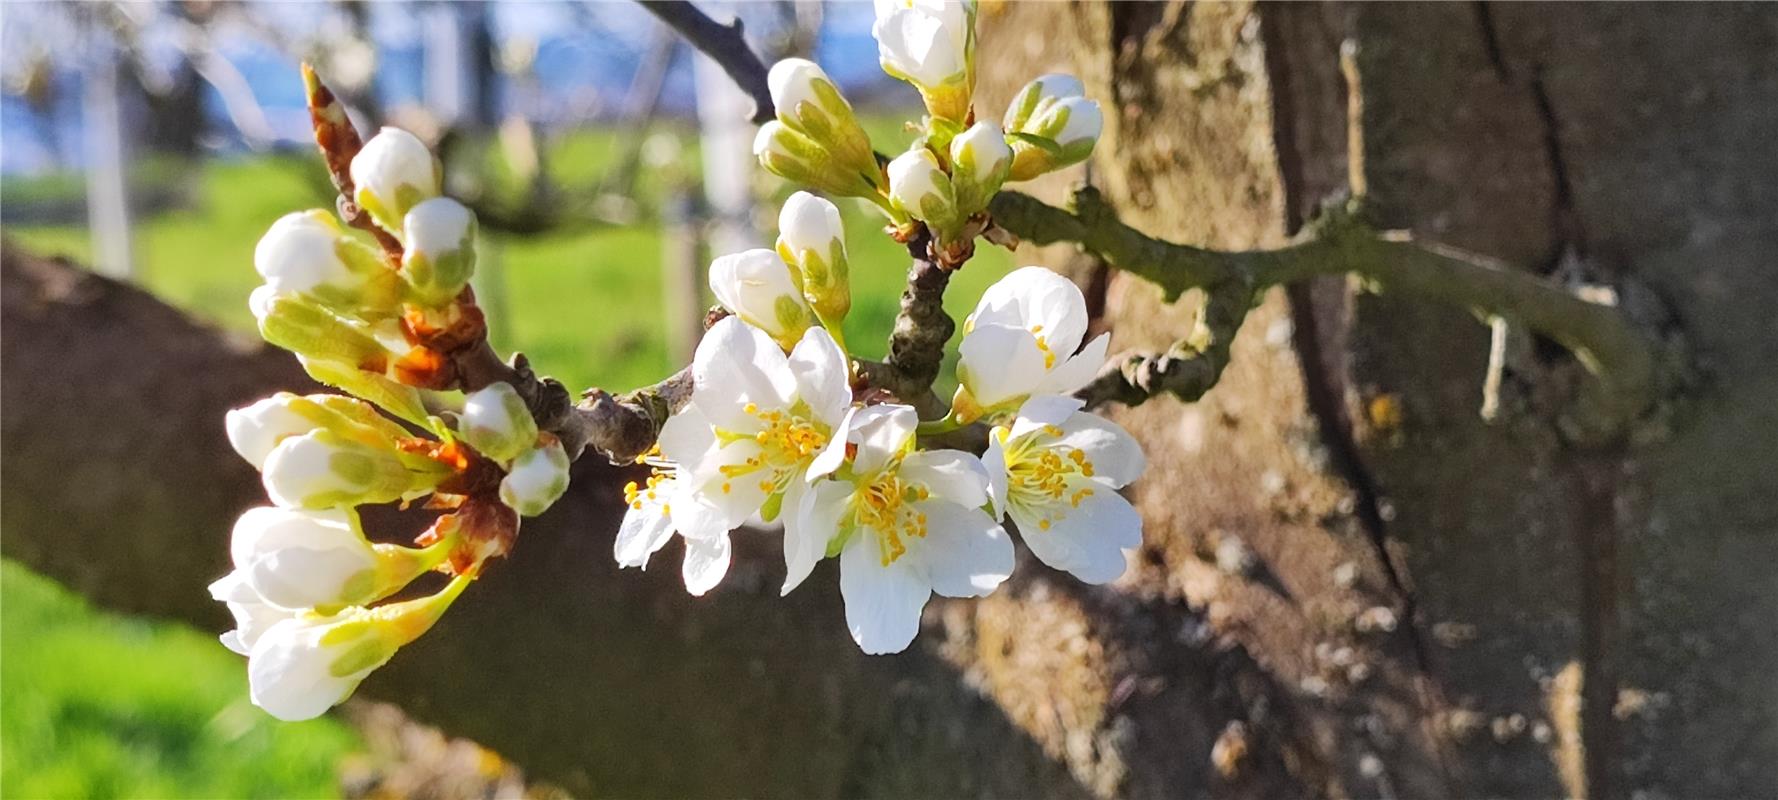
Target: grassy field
95,705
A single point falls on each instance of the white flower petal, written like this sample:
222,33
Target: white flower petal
1036,297
644,532
1088,541
950,474
999,363
966,553
809,526
736,364
706,562
822,375
686,437
881,433
883,603
1079,370
1044,410
994,461
834,454
1116,456
288,670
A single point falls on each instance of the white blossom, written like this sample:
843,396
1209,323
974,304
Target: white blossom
908,523
1020,341
666,505
759,424
253,615
1051,124
762,290
1055,472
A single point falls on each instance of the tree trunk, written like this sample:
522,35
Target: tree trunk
1351,584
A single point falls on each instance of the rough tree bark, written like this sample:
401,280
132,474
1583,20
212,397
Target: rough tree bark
1351,585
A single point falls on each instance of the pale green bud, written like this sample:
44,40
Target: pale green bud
1037,97
440,250
797,158
980,162
930,44
393,173
920,188
303,327
811,238
808,102
537,479
307,253
322,469
1058,134
496,422
309,662
762,290
256,429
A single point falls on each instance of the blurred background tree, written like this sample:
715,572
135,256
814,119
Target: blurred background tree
1352,584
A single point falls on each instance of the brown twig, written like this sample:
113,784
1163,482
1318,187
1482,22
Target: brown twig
725,45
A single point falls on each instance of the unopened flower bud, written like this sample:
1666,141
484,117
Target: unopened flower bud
255,430
297,559
310,662
308,253
440,250
797,158
811,239
919,188
322,469
808,102
496,422
392,174
537,479
1051,125
306,329
980,162
1038,96
762,290
930,44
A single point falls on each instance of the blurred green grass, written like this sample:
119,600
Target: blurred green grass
100,705
95,705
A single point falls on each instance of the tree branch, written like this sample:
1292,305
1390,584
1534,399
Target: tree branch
725,45
1602,337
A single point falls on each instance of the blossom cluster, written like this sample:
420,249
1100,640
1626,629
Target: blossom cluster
310,593
774,431
950,172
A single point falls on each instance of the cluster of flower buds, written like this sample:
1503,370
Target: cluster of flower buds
803,283
951,172
308,589
356,320
774,430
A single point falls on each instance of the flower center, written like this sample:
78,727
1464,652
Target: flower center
786,439
1048,477
885,506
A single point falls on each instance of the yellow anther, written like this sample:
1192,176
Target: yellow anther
726,487
750,409
1043,524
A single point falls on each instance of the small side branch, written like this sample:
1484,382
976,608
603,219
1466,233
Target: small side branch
725,45
1605,340
1187,369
